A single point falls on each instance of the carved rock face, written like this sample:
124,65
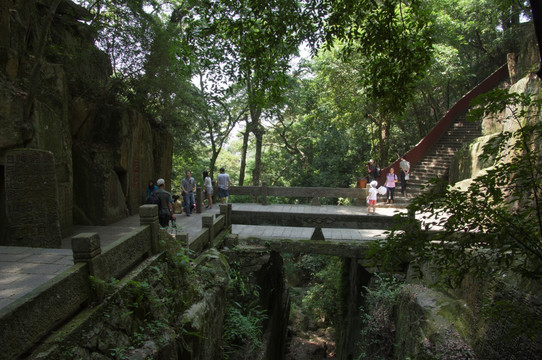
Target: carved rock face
104,154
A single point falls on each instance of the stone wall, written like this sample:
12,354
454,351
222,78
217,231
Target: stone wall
163,309
61,100
467,163
459,324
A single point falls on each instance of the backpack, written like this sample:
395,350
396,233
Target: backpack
153,199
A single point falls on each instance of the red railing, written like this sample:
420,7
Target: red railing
418,152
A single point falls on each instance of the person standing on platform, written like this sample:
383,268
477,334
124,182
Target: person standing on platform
151,188
165,208
224,184
188,185
372,197
371,170
208,187
391,179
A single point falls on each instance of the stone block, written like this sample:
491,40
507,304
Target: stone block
86,246
32,207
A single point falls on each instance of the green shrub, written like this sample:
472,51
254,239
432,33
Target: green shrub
377,334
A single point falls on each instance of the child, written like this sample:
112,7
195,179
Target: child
371,197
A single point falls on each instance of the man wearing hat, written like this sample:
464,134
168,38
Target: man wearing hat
165,209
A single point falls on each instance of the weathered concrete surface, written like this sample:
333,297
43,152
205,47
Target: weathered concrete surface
355,249
22,269
25,321
330,220
32,206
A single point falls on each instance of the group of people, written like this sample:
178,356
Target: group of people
390,184
223,183
169,205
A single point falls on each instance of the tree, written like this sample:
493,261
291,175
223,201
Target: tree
251,44
220,117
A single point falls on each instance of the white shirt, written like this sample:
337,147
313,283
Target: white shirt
223,181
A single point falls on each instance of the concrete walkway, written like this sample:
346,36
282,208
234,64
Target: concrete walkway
23,269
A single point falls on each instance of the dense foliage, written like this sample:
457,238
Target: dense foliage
221,76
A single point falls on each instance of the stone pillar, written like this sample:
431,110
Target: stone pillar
32,208
264,193
207,221
86,249
318,234
215,192
199,199
148,215
182,238
225,209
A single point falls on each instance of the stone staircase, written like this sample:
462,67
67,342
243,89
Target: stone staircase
436,162
433,155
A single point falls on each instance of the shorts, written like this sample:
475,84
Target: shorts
222,193
372,202
209,190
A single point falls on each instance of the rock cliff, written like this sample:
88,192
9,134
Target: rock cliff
56,96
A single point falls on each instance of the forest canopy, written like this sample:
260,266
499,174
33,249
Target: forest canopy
303,92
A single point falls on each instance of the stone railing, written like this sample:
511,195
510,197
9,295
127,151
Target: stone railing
27,320
316,221
214,231
314,193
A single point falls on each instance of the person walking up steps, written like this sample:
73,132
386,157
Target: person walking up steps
224,183
405,173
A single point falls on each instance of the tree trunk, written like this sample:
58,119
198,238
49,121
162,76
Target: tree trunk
384,128
244,154
258,132
536,10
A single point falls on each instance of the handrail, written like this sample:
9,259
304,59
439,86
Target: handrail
264,191
60,298
418,152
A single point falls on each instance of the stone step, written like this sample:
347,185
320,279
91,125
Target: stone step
437,163
436,159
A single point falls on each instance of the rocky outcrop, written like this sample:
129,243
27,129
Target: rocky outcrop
265,269
467,163
426,326
56,95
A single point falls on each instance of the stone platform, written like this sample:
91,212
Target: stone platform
24,269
